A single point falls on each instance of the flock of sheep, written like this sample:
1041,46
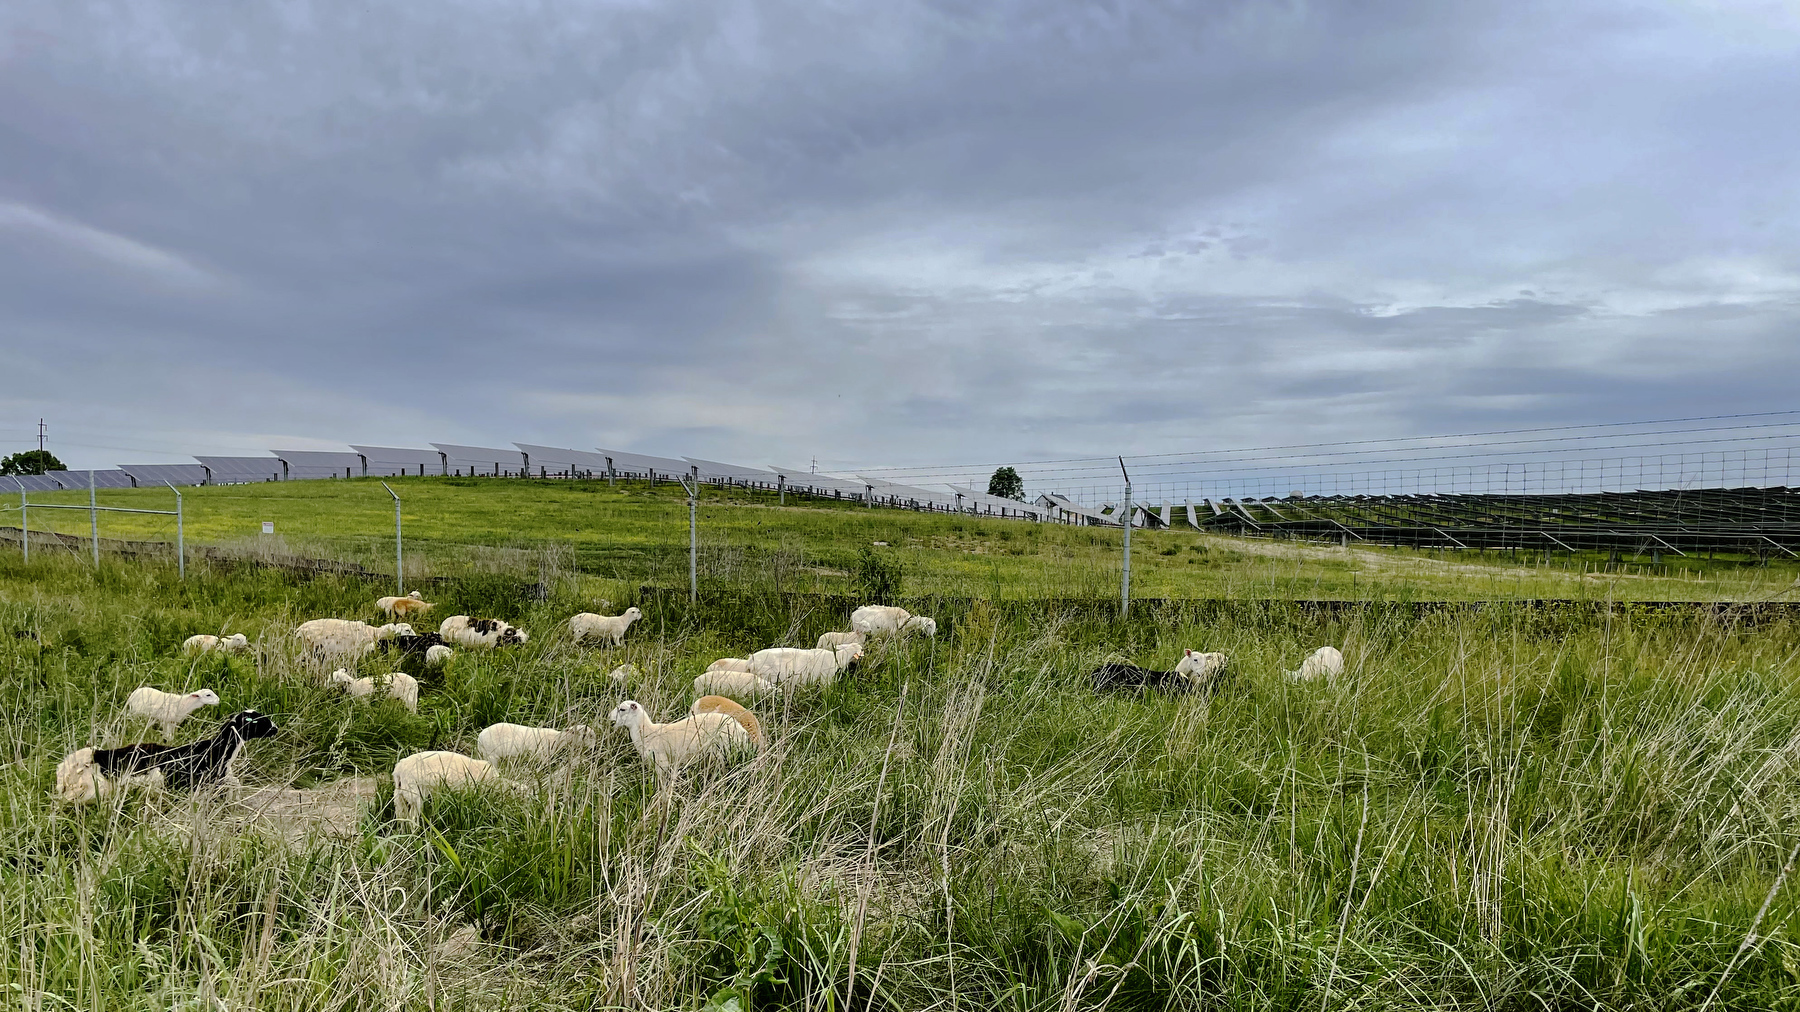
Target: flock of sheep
717,723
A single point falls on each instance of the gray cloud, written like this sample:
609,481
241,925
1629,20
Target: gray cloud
895,232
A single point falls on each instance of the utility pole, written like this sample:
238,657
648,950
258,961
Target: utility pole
1125,580
399,560
40,435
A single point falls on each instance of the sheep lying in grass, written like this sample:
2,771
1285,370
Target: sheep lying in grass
90,773
1325,661
400,685
437,655
1117,677
736,684
411,604
790,667
236,643
1204,669
612,627
409,642
330,638
419,774
887,620
167,709
516,741
480,633
730,708
669,746
833,640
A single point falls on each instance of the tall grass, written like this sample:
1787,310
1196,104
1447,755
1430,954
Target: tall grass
1496,808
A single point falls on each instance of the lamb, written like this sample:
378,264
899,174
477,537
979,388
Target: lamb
201,644
516,741
480,633
437,655
89,773
411,604
730,664
795,666
833,640
730,708
1203,669
400,685
589,624
671,745
423,772
882,619
736,684
1326,661
167,709
1115,677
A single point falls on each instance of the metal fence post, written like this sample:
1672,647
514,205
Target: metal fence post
693,492
93,519
1125,579
399,559
180,543
24,521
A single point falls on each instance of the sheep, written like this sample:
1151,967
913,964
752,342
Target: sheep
1326,661
483,633
516,741
203,643
411,604
338,637
795,666
408,642
671,745
1203,668
730,708
1113,677
736,684
422,772
730,664
400,685
882,619
89,773
589,624
167,709
437,655
833,640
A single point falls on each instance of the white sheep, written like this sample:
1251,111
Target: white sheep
731,708
483,633
400,685
516,741
419,774
736,684
235,643
671,745
1325,661
437,655
887,620
833,640
411,604
337,637
167,709
795,666
1202,668
730,664
613,627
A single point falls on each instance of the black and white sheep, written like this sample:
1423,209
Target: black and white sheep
480,633
89,773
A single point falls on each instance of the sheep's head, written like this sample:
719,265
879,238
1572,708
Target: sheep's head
631,615
437,655
236,641
513,634
415,596
250,724
204,697
341,677
928,626
628,714
848,654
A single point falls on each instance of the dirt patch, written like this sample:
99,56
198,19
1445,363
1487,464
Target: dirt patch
296,814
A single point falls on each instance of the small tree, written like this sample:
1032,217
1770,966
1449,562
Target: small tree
1007,484
878,576
31,462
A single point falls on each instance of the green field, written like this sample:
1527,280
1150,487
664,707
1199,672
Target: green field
1511,807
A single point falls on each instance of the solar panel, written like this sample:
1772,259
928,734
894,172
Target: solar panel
888,489
392,461
975,497
240,470
110,477
643,463
554,460
481,459
735,472
174,474
303,465
31,482
800,477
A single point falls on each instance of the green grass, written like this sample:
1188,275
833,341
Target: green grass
1501,808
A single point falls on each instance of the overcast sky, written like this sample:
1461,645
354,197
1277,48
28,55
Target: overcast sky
887,232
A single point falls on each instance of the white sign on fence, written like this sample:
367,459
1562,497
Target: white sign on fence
268,526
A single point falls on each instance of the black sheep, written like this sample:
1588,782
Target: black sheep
84,774
412,644
1116,677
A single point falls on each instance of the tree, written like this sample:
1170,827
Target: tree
1007,484
31,462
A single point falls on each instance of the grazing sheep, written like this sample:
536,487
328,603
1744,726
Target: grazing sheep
89,773
516,741
833,640
423,772
795,666
612,627
1326,661
730,664
669,746
1203,669
400,685
884,620
482,633
730,708
736,684
437,655
332,638
167,709
235,643
411,604
409,642
1115,677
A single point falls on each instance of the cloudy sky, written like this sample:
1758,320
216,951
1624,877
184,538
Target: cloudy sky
888,231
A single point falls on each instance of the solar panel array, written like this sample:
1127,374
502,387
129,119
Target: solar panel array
480,460
299,465
110,477
546,461
174,474
240,470
395,461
